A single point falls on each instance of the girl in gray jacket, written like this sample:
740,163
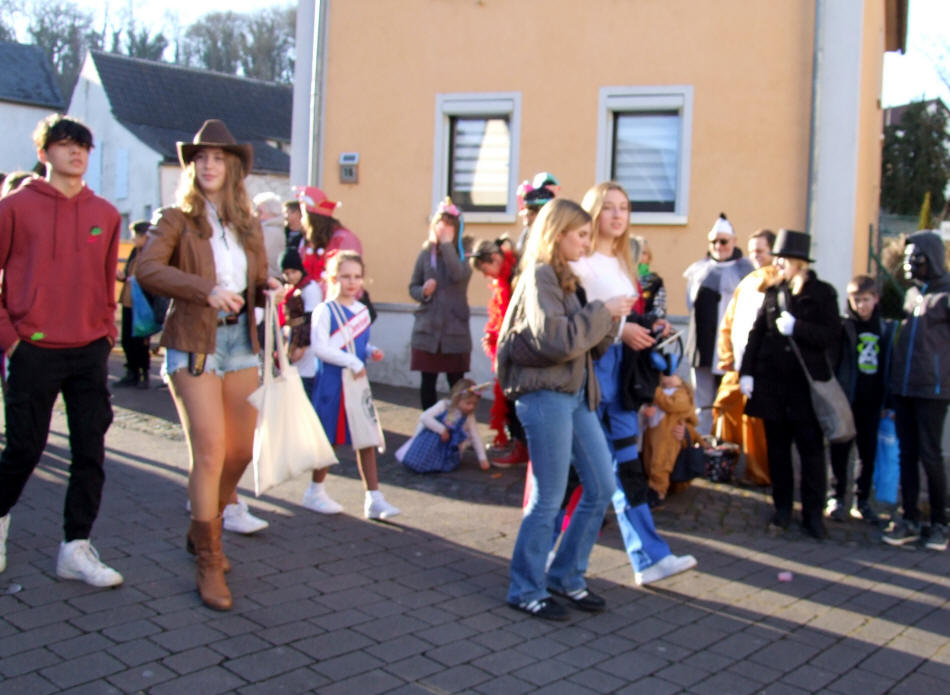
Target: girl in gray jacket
545,365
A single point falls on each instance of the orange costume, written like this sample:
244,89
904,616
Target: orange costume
660,446
732,424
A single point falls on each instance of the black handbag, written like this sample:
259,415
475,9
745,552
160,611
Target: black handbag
690,462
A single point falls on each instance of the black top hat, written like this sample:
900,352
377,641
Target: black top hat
214,133
792,244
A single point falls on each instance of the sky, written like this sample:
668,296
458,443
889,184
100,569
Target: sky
906,77
912,75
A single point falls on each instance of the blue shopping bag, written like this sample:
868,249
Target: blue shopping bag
144,323
887,469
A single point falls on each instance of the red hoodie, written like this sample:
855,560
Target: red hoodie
58,257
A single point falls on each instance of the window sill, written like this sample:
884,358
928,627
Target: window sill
659,218
489,217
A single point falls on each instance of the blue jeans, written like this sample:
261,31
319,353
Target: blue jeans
559,427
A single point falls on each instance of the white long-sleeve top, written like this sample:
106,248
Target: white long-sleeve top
320,343
429,420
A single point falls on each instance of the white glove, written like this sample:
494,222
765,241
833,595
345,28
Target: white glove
785,323
746,384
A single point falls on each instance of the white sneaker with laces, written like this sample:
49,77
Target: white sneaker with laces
238,519
4,530
80,560
317,500
667,567
378,508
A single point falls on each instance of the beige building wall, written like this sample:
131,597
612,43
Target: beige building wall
749,64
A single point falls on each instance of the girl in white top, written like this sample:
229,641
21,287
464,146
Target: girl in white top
606,272
327,340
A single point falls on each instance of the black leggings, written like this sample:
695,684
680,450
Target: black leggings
427,390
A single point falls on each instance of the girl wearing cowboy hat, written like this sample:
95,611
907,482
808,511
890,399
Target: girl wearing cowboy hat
207,254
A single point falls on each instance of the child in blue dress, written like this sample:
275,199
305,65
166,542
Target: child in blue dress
328,340
444,430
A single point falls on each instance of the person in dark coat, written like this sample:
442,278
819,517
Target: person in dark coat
920,383
800,307
441,340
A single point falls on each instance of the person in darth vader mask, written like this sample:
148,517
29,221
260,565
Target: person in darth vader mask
920,386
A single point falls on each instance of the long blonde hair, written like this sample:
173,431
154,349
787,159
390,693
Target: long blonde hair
556,218
593,203
235,207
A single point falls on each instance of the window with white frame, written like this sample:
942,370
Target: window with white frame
476,154
644,144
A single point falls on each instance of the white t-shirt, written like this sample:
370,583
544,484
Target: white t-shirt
603,277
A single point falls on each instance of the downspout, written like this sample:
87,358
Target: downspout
813,134
317,91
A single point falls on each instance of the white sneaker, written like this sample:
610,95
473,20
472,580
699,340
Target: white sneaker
4,530
79,560
379,508
667,567
238,519
317,500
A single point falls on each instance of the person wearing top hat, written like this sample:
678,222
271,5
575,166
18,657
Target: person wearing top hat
797,307
207,254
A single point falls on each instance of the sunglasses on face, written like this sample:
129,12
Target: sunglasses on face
720,242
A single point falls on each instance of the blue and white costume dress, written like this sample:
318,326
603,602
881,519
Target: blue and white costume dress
328,340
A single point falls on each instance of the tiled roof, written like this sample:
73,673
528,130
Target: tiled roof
27,76
162,104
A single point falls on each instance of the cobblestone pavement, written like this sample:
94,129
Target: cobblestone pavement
342,605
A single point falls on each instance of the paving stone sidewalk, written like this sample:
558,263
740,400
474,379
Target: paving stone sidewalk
342,605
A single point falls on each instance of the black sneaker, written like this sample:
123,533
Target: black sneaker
781,519
902,532
937,540
545,608
582,600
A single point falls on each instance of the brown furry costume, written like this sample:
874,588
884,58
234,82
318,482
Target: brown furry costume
660,447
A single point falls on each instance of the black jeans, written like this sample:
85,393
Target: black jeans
136,349
919,429
35,376
427,394
809,441
866,422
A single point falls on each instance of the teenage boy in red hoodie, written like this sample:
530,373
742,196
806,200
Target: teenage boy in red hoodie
58,251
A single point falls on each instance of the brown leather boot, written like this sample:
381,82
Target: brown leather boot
209,562
190,547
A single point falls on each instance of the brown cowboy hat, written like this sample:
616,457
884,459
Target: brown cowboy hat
214,133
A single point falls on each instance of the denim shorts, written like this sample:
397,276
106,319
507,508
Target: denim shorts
232,352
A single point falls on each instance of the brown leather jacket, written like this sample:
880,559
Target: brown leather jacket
178,262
